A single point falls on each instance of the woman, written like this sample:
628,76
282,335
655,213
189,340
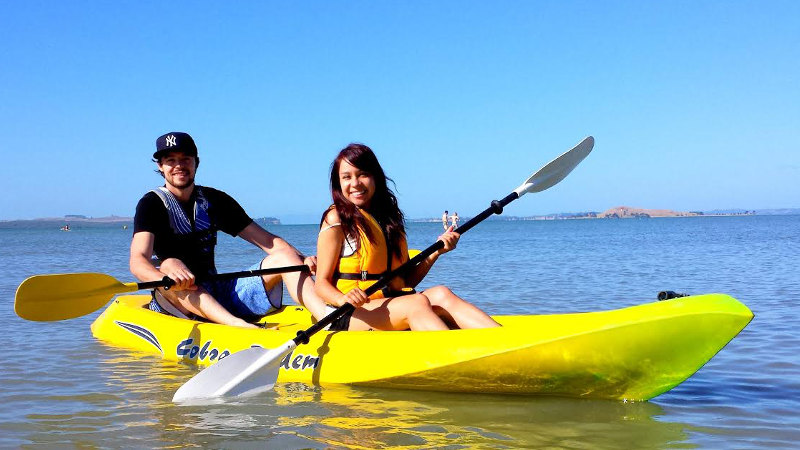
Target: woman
360,236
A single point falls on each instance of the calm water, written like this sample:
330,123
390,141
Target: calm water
59,386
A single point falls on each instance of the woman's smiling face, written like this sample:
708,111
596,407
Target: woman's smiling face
358,186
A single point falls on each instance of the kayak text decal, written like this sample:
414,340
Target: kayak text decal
299,361
200,352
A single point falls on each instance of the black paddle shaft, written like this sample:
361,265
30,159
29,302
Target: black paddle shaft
496,207
167,282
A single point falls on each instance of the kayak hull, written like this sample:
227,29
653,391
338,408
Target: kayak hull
633,353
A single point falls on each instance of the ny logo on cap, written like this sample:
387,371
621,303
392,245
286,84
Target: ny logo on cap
171,141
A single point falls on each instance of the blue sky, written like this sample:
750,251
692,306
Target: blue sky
694,105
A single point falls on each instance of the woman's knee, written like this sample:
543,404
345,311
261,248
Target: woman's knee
418,302
438,291
441,296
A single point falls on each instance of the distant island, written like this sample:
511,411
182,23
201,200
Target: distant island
617,212
77,218
627,212
268,221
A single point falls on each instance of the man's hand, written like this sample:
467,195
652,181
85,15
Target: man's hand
311,262
179,273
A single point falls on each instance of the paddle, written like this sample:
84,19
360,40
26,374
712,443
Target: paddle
63,296
255,370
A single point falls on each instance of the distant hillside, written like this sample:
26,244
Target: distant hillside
730,212
107,219
75,218
619,212
267,221
778,211
625,212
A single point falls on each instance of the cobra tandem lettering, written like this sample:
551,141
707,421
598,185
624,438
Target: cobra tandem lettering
186,350
291,361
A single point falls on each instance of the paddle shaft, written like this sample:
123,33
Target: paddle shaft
495,208
166,282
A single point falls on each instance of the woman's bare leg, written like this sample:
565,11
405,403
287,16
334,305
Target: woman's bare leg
461,312
398,313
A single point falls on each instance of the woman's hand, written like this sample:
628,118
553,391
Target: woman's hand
177,271
450,239
355,297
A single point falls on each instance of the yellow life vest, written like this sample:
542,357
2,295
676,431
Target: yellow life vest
362,268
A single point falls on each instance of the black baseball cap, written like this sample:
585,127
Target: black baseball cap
176,141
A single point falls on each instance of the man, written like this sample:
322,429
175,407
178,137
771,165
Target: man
178,223
444,220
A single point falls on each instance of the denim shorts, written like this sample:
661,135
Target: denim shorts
246,298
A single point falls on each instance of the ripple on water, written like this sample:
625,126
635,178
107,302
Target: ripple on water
63,388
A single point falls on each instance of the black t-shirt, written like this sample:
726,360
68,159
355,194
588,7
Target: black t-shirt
224,212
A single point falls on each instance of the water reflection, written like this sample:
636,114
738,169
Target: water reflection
120,398
63,388
354,417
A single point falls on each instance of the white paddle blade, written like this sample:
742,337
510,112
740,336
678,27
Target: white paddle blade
242,374
557,169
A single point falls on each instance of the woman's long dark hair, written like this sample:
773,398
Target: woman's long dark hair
383,205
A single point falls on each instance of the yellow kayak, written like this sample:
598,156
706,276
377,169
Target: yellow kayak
633,353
